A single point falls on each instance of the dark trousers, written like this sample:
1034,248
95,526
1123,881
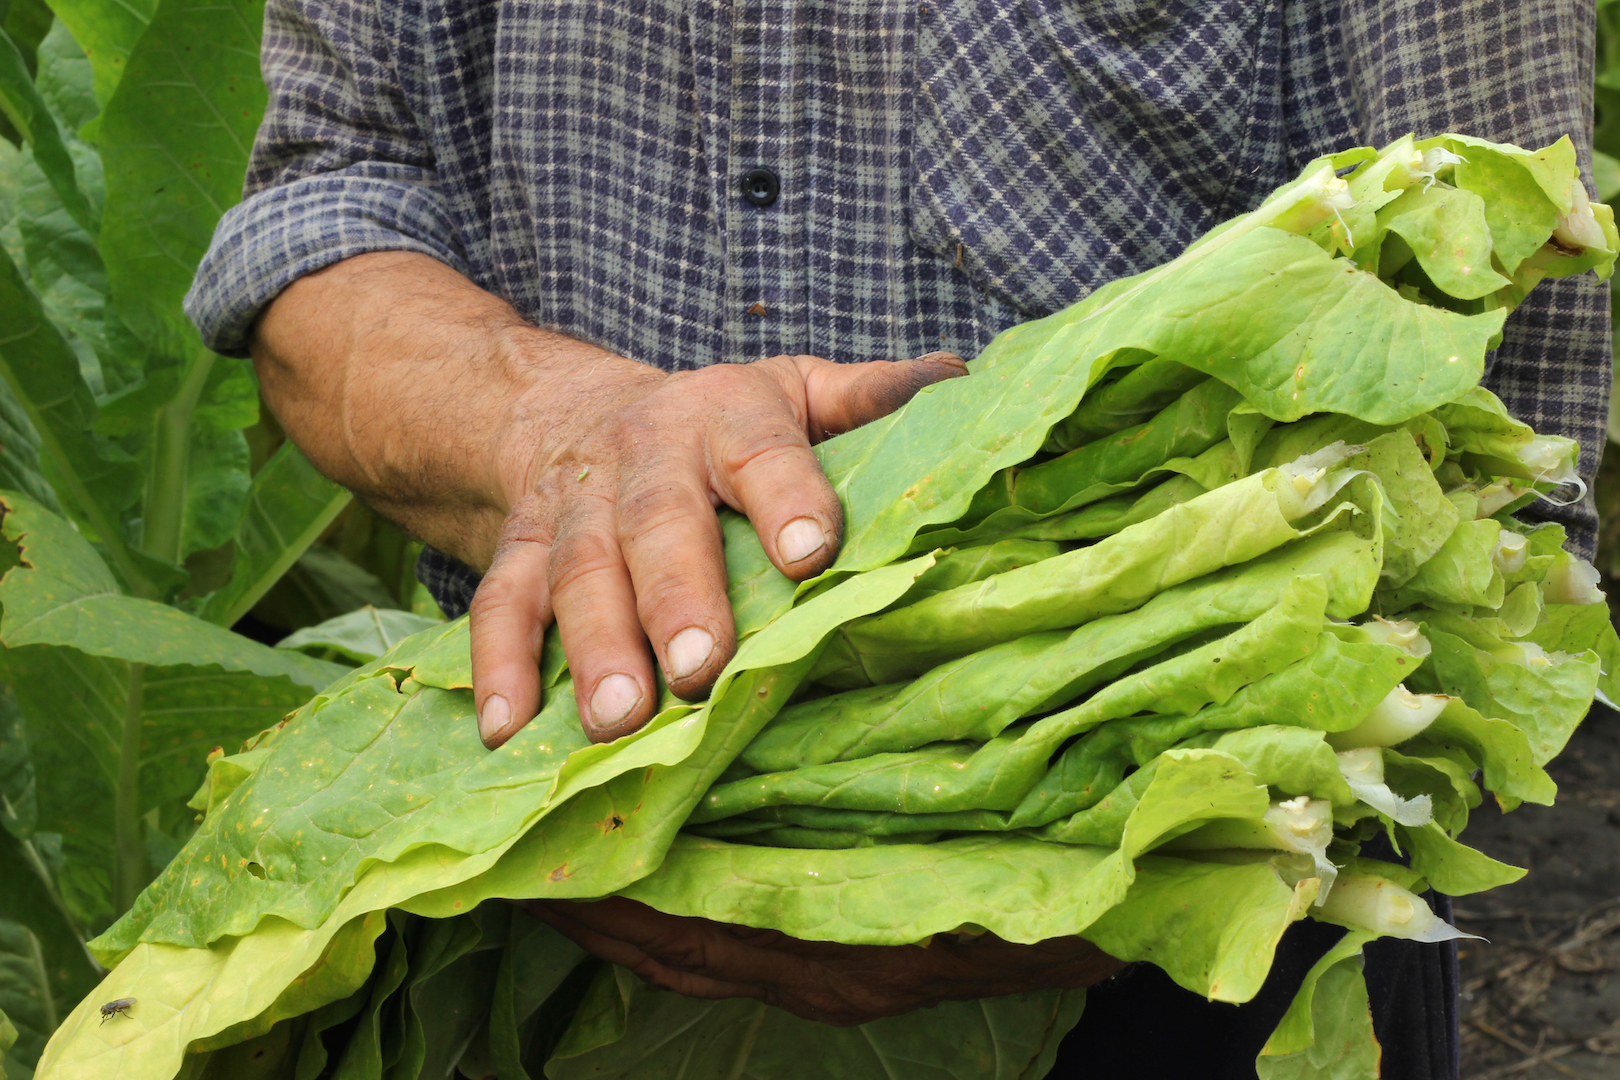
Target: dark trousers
1143,1025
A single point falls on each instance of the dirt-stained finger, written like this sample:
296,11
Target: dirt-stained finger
509,615
842,397
763,465
670,538
595,607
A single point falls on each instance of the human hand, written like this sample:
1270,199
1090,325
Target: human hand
613,529
836,984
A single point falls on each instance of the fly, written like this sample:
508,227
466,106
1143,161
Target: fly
119,1007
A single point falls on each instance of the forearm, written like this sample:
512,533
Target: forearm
424,394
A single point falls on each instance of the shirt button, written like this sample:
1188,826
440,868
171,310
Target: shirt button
761,187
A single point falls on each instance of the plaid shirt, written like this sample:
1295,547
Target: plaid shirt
946,168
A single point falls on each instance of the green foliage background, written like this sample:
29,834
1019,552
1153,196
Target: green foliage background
164,507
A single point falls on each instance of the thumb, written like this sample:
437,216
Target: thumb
841,397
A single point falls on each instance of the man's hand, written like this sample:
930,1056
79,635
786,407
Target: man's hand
818,980
585,483
616,533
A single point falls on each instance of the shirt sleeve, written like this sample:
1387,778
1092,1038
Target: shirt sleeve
339,168
1518,73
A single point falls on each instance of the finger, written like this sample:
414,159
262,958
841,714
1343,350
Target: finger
842,397
988,966
670,539
706,955
761,464
595,608
633,958
509,615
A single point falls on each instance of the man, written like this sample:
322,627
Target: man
498,260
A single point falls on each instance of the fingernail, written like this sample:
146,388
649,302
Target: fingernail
493,716
688,651
615,696
800,539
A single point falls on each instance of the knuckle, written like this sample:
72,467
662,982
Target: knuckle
773,447
640,427
657,976
646,505
683,952
718,378
528,522
495,597
579,555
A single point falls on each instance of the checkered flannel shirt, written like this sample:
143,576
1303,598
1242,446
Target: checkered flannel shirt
947,168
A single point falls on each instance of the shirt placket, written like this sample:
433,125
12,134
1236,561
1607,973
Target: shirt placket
766,303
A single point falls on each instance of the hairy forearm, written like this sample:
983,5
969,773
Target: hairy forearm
422,393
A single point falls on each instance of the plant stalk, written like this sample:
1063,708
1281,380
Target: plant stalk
42,973
165,510
129,867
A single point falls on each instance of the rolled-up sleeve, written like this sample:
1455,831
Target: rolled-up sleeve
339,168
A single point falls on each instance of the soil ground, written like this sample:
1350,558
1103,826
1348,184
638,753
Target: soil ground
1542,998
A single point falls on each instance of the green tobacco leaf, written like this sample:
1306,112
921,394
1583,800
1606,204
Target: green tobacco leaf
935,779
1502,750
8,1039
1291,761
43,374
758,591
1019,888
78,709
217,488
26,1000
1545,701
1519,208
1445,228
1118,574
1005,1038
1452,867
1272,315
21,103
360,636
535,962
1185,428
1418,516
1460,576
19,453
448,794
27,21
1129,400
363,1054
67,84
64,267
1575,628
44,968
238,979
187,996
1039,671
19,807
1327,1033
1478,423
1331,690
288,507
107,33
64,595
175,139
1212,926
